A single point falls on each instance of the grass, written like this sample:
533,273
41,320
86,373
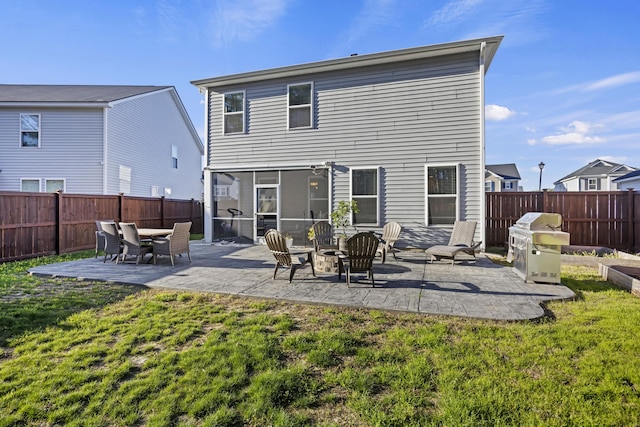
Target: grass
85,354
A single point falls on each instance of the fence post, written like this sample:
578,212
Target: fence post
630,218
120,207
58,205
162,207
545,200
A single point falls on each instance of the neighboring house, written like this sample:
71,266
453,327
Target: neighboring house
400,132
629,181
598,175
501,177
136,140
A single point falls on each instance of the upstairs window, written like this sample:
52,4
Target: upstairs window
364,191
29,130
174,156
442,194
300,105
233,112
592,184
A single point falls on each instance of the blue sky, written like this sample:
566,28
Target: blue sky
564,87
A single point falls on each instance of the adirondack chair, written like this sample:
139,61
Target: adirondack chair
390,234
323,236
361,251
461,241
277,244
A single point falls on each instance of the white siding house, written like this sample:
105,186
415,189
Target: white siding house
599,175
136,140
400,132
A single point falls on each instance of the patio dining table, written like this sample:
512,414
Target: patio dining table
154,232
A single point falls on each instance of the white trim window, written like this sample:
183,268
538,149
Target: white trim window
592,184
29,130
174,156
365,189
233,112
442,194
300,106
30,185
51,185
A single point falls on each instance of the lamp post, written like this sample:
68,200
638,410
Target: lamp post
541,166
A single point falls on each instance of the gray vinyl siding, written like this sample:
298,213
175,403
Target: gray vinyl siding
141,131
64,133
398,117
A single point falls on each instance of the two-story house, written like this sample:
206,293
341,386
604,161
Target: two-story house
399,132
503,177
599,175
136,140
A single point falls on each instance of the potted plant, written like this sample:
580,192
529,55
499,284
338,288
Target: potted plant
289,239
341,218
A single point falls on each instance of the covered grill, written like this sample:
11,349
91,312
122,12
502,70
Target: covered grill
535,242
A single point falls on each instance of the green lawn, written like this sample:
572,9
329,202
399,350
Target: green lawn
85,354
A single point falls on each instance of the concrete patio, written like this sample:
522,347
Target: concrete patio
478,289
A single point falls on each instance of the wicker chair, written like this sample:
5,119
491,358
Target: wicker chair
361,251
277,244
100,240
323,236
112,242
390,235
177,243
131,243
461,241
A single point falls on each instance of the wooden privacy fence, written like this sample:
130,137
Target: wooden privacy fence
39,224
593,218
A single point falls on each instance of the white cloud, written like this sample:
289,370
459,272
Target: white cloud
497,112
453,12
606,83
613,81
576,133
532,141
244,20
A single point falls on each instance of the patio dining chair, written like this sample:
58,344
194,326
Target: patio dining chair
461,241
112,241
176,243
277,244
323,236
361,251
100,240
131,243
390,235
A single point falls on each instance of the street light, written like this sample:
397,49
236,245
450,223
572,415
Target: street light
541,166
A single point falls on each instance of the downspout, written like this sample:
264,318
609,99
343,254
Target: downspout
483,197
105,137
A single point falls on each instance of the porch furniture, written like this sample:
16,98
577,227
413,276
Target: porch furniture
390,234
112,241
131,243
461,241
149,233
278,246
176,243
99,237
323,236
361,251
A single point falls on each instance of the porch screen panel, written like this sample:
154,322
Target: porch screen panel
233,204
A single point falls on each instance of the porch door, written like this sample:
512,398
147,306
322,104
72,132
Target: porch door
267,209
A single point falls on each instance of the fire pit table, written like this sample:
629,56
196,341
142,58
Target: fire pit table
327,261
